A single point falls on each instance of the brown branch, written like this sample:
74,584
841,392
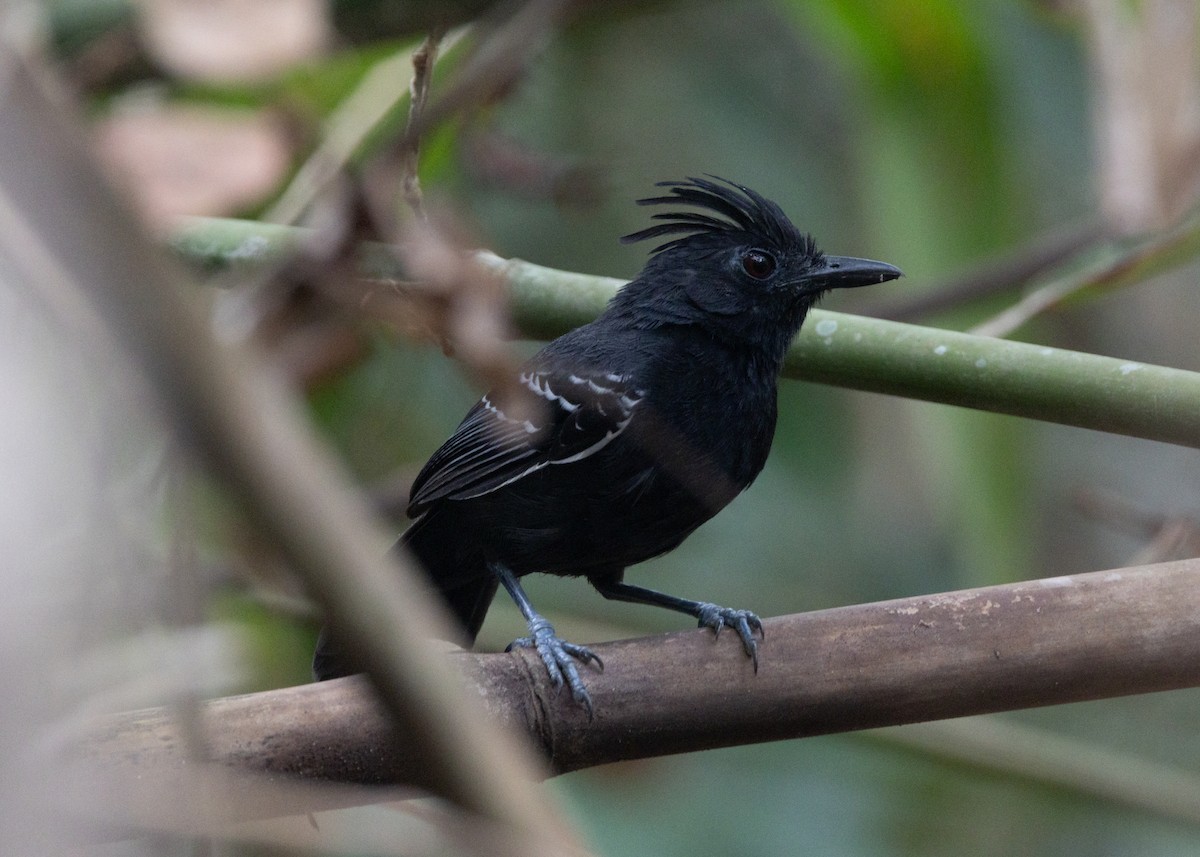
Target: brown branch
1130,265
495,65
999,648
992,277
423,60
237,420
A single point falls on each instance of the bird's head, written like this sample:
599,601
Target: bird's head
740,268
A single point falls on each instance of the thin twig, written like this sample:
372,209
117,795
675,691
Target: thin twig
496,63
993,277
1164,537
423,60
1131,266
375,97
997,745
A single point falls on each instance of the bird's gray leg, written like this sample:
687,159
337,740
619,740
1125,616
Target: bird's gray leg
709,615
557,654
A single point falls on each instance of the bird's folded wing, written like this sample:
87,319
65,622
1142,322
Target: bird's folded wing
567,417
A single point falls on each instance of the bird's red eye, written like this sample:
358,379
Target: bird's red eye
758,264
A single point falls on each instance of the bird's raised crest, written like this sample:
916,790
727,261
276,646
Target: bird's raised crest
740,208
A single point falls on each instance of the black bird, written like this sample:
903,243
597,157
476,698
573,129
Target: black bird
639,426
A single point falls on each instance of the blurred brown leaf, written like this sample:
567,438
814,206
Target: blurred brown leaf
463,305
193,160
233,39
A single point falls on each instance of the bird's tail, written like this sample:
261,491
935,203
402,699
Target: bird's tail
469,604
455,567
330,660
462,581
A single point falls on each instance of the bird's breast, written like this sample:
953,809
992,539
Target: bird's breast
722,410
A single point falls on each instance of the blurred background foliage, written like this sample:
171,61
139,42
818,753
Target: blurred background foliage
938,136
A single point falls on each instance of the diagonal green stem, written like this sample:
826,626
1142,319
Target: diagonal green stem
1120,267
1050,384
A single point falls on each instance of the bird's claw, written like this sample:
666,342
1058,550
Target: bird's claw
559,656
744,622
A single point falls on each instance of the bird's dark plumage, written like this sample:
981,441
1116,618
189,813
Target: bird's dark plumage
747,212
629,432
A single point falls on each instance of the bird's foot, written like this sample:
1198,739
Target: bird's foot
559,656
742,621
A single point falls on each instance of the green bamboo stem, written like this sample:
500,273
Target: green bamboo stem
1017,378
930,364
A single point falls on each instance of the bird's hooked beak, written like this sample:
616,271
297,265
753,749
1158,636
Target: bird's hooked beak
845,272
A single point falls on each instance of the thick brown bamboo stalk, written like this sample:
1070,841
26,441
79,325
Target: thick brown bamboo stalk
1042,642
